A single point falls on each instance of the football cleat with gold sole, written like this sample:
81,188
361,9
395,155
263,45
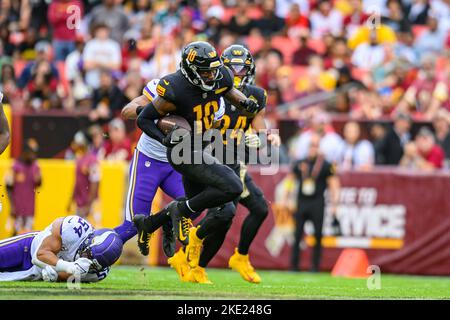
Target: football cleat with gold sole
194,248
241,264
180,264
198,275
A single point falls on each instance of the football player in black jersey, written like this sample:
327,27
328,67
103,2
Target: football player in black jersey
241,62
194,93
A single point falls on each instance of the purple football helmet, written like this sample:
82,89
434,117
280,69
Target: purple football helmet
103,247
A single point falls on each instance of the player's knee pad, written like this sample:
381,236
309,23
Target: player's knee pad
260,209
233,187
257,206
226,214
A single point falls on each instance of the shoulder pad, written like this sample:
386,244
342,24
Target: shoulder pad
165,88
150,89
227,81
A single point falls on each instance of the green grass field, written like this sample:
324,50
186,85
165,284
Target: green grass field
162,283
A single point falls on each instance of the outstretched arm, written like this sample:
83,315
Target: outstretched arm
130,111
46,257
258,124
239,100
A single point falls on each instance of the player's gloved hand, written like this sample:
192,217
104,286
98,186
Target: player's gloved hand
218,115
80,267
175,136
252,140
95,276
1,97
250,105
49,274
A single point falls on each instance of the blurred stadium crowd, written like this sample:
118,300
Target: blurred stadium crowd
366,60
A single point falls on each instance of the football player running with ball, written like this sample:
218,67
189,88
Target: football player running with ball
194,93
241,62
149,171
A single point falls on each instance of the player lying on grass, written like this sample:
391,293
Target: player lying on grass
69,246
241,63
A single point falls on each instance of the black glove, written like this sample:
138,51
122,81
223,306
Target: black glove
250,105
336,226
173,138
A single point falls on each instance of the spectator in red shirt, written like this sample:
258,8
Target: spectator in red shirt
423,153
339,55
354,20
87,177
21,183
428,93
295,21
118,147
65,18
302,55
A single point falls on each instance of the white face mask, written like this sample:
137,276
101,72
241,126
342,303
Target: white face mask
206,86
199,81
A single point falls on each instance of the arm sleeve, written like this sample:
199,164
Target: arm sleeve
227,80
263,102
146,122
218,115
260,96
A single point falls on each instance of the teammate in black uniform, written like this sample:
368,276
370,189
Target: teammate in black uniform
241,62
193,92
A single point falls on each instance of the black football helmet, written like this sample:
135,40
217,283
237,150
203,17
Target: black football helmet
239,59
200,64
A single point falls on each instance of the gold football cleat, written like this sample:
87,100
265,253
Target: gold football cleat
194,248
241,264
180,264
198,275
184,226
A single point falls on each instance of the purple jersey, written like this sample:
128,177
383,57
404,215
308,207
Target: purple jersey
146,176
24,182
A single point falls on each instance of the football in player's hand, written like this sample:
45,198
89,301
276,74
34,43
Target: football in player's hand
167,123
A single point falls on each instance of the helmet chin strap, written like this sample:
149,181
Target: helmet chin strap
205,87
